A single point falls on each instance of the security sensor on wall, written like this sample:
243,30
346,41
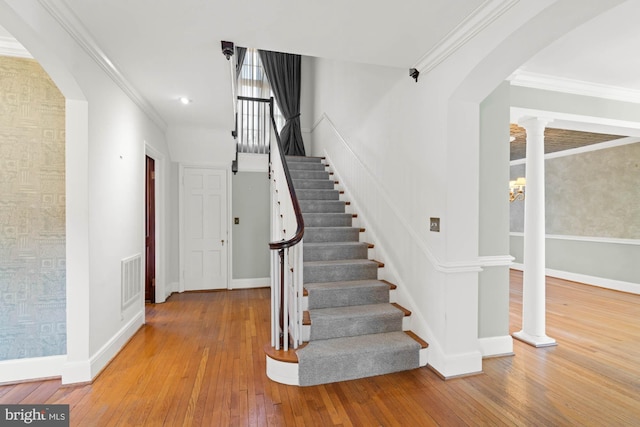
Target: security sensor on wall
414,73
227,49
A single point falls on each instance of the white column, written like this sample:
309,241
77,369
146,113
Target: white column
533,293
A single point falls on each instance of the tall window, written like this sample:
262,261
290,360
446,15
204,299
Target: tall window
253,82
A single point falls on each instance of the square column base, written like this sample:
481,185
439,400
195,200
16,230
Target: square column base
536,341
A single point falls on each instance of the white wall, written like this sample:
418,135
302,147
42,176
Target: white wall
106,135
409,151
493,281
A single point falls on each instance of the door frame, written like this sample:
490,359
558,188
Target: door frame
226,168
160,232
150,230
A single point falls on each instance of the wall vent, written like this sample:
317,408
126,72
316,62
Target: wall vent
131,279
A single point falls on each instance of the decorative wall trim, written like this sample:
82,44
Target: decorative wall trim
575,87
11,47
496,346
496,261
475,22
635,242
61,12
85,371
449,267
35,368
260,282
601,282
585,149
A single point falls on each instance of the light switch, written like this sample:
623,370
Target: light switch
434,224
236,220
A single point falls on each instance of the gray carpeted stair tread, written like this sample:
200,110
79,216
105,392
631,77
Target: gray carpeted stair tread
348,321
327,251
332,271
322,206
346,293
341,359
335,219
303,174
311,159
331,234
319,184
306,166
317,194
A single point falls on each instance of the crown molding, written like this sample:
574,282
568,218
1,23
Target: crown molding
480,18
63,14
572,86
11,47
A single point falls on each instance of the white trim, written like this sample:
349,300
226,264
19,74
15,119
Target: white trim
452,366
635,242
579,122
82,371
35,368
171,288
601,282
61,12
12,47
102,357
496,260
160,178
576,87
282,372
475,22
584,149
496,346
449,267
260,282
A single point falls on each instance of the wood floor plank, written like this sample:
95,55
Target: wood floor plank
199,360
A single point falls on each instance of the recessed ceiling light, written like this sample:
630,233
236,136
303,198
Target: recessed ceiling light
185,100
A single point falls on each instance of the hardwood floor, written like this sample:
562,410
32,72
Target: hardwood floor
199,361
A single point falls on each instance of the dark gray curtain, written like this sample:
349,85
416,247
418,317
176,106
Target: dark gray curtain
240,54
283,72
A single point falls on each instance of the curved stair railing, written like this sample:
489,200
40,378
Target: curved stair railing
287,230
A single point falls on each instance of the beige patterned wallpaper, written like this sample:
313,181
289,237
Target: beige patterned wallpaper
592,194
32,212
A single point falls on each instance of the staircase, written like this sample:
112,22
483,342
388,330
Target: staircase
352,329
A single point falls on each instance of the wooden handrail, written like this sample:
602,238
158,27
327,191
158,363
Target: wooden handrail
297,237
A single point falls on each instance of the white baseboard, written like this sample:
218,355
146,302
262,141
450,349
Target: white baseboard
260,282
496,346
601,282
35,368
171,288
282,372
452,366
82,371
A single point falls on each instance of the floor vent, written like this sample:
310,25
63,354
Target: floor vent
131,280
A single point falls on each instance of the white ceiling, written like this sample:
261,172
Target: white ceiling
605,50
168,49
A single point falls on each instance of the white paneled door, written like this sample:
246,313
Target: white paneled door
205,229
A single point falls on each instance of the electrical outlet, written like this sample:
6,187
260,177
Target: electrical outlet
434,224
236,220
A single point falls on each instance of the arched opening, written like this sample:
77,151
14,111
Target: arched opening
76,210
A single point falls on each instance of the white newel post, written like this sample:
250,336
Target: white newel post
534,293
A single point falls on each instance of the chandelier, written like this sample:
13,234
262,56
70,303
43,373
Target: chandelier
516,189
